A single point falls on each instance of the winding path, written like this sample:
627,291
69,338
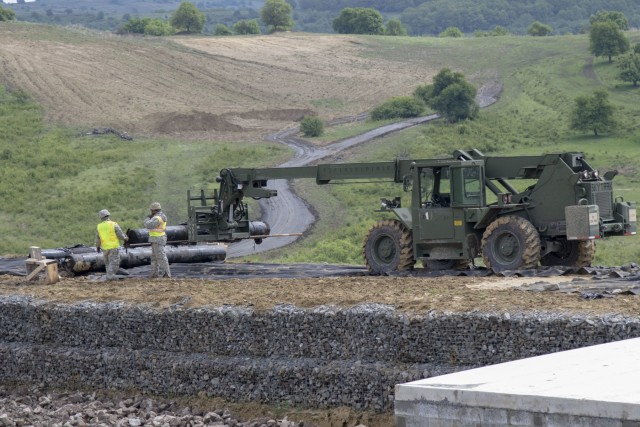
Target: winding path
288,213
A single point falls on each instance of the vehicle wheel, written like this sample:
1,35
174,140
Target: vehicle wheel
574,253
388,247
445,264
510,243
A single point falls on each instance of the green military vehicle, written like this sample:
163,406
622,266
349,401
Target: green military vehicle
459,208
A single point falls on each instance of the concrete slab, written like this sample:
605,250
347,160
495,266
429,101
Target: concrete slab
591,386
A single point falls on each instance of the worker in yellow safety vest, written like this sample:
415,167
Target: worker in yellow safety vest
108,237
156,223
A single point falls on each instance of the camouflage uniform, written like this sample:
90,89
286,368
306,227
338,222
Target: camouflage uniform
159,261
111,256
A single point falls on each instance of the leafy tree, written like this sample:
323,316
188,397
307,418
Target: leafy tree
135,25
7,14
222,30
539,29
395,28
606,39
398,107
358,20
629,66
451,32
158,27
450,95
312,126
593,113
276,15
188,18
617,18
246,26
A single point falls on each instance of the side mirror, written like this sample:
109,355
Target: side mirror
610,175
407,183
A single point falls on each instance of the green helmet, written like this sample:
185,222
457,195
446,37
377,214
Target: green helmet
103,213
155,206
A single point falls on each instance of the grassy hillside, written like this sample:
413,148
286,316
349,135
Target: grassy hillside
55,179
541,79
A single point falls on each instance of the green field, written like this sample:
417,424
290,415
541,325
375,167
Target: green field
54,180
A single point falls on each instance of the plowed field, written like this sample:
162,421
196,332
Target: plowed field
201,87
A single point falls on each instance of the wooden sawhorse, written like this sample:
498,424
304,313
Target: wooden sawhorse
36,263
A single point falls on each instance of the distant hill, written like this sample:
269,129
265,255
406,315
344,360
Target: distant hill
421,17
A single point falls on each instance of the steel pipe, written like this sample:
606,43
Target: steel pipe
180,233
135,257
175,233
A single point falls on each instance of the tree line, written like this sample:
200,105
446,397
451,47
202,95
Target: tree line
417,17
188,19
431,17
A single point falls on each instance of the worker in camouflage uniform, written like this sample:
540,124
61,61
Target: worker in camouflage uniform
108,237
156,223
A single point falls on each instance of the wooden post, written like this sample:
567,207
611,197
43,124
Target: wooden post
52,273
35,254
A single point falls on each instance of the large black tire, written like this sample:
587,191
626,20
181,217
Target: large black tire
510,243
388,247
574,253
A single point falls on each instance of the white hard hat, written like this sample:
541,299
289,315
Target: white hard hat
104,213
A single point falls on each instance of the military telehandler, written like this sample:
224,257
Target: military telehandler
459,208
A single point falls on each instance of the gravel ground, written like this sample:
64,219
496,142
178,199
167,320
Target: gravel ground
35,406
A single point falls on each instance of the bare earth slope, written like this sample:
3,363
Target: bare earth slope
204,87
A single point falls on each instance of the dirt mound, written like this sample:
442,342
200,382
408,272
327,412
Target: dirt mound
201,121
197,121
289,115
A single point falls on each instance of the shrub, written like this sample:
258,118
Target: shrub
312,126
244,27
538,29
401,106
451,32
222,30
7,14
158,27
135,25
395,28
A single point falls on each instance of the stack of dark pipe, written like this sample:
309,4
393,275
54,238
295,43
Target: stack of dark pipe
81,259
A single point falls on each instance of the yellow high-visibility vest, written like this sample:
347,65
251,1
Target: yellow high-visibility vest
159,231
108,237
